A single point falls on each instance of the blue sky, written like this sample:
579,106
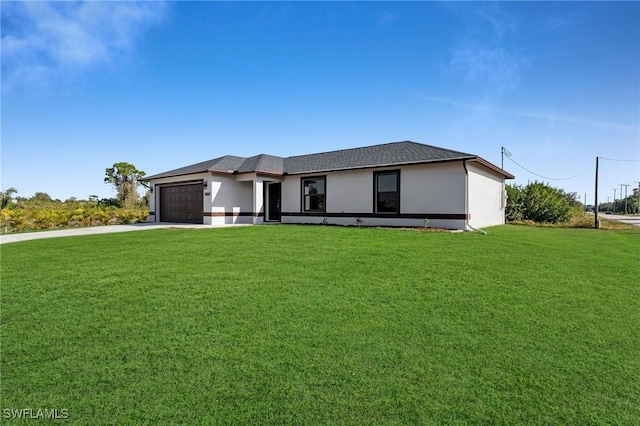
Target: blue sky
163,85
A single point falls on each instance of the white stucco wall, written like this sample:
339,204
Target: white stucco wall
230,198
258,201
291,194
350,191
433,188
424,189
486,197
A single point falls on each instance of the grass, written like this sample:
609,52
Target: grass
325,325
614,224
582,221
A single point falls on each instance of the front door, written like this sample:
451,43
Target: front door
274,194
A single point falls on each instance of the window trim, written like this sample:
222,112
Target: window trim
302,194
375,190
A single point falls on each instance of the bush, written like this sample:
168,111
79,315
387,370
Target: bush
579,219
69,216
515,208
537,202
13,220
132,215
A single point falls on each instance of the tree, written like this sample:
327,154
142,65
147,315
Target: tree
572,198
41,198
144,202
125,177
6,197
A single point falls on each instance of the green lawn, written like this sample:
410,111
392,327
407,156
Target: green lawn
325,325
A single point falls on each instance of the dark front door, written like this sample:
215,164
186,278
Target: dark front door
274,194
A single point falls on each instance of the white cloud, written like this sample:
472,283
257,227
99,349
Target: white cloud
42,41
485,56
386,20
542,115
495,68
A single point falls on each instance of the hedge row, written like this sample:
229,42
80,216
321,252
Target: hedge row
17,220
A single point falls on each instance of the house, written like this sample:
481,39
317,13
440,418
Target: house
393,184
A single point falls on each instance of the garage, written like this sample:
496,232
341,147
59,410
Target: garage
181,203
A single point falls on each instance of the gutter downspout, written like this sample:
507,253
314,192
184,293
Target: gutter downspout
466,195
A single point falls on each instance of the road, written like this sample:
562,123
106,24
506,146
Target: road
631,220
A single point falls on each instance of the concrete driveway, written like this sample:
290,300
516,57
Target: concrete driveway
26,236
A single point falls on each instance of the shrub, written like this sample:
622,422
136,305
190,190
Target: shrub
43,219
64,216
14,220
132,216
515,209
100,216
537,202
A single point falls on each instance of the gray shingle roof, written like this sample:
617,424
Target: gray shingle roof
220,164
389,154
263,163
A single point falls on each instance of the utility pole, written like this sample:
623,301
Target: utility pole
503,152
597,222
585,202
620,194
614,199
625,195
638,195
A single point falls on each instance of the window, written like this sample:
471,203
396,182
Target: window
313,194
387,191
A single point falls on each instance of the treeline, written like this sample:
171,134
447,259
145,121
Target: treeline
42,212
627,205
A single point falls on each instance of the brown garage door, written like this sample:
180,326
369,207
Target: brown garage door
181,203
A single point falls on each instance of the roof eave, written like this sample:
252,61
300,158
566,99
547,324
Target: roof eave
493,167
258,172
377,166
162,175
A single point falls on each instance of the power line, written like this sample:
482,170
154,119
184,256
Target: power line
613,159
507,154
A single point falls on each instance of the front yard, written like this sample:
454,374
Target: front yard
319,325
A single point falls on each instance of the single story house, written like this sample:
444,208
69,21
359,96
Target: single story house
393,184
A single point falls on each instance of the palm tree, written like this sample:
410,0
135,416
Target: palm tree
6,197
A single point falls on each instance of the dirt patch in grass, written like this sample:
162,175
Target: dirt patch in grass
422,229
